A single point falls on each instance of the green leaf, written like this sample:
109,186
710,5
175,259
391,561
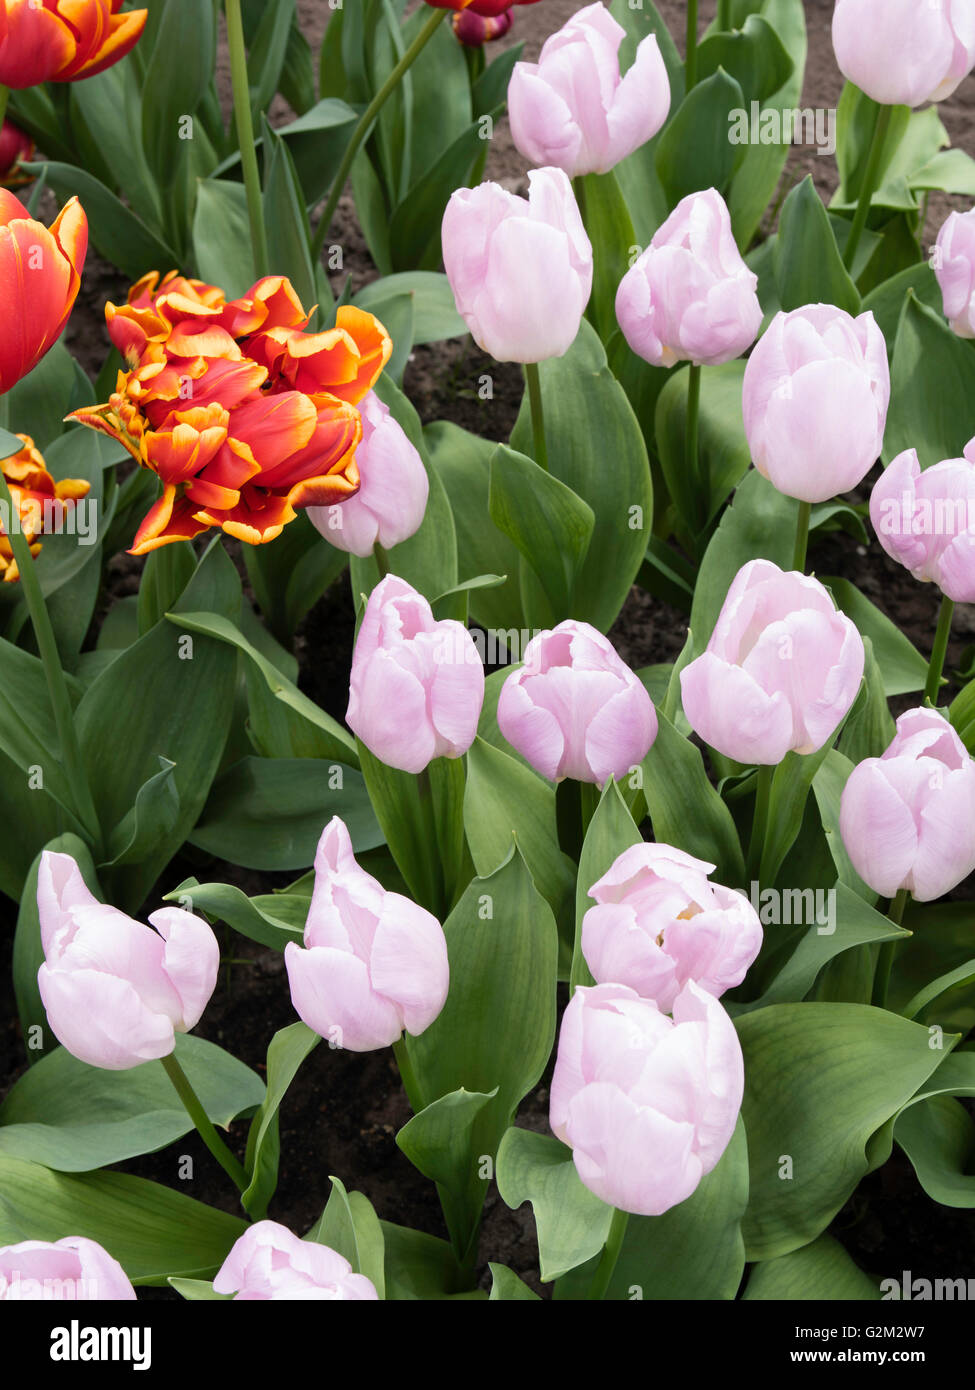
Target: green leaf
418,1266
350,1225
438,1142
571,1223
222,236
198,1290
271,919
610,832
886,301
285,1053
550,524
902,666
932,376
73,1117
166,573
820,1081
610,227
938,1137
177,75
414,230
154,812
269,813
870,726
151,1230
695,150
828,783
435,315
507,1287
791,782
288,231
754,55
807,262
820,1271
721,441
28,734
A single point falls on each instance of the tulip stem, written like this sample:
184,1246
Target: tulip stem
763,796
723,20
802,537
365,124
381,559
881,979
245,137
538,419
4,98
407,1074
74,766
201,1120
938,652
697,471
871,178
611,1253
690,66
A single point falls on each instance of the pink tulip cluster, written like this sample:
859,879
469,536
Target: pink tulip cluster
926,521
269,1263
905,52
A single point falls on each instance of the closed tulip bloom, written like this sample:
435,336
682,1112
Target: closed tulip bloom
907,818
40,275
954,268
648,1104
393,488
521,272
781,670
905,52
659,923
115,991
70,1269
15,148
815,399
269,1262
373,962
690,297
926,521
574,709
65,40
474,30
417,685
572,109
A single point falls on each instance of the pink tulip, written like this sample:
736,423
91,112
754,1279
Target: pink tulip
907,818
815,399
521,272
572,109
269,1262
780,672
954,267
115,991
926,521
70,1269
574,709
393,490
373,962
690,297
905,52
417,685
659,923
648,1104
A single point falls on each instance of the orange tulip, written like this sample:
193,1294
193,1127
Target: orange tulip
39,502
64,40
40,272
243,415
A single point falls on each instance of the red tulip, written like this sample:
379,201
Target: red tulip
15,147
40,273
64,40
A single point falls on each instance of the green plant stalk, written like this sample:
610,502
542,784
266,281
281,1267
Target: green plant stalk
538,419
4,98
723,21
690,66
382,560
245,137
885,958
407,1074
871,180
802,537
938,652
74,767
201,1120
611,1253
756,846
695,471
365,124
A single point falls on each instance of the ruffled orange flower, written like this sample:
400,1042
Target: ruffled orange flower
243,415
64,40
39,502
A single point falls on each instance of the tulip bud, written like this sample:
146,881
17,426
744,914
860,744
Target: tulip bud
417,685
926,521
907,818
690,297
393,488
572,109
64,1270
373,962
815,399
64,40
660,923
115,991
270,1262
474,30
781,670
648,1104
15,148
954,268
905,52
574,709
40,271
521,272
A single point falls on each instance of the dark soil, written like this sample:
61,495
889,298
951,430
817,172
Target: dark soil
342,1113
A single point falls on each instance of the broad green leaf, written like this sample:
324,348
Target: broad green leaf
271,919
932,377
902,666
695,150
350,1225
807,263
938,1137
754,55
438,1141
222,236
435,315
820,1271
723,448
285,1053
507,1287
